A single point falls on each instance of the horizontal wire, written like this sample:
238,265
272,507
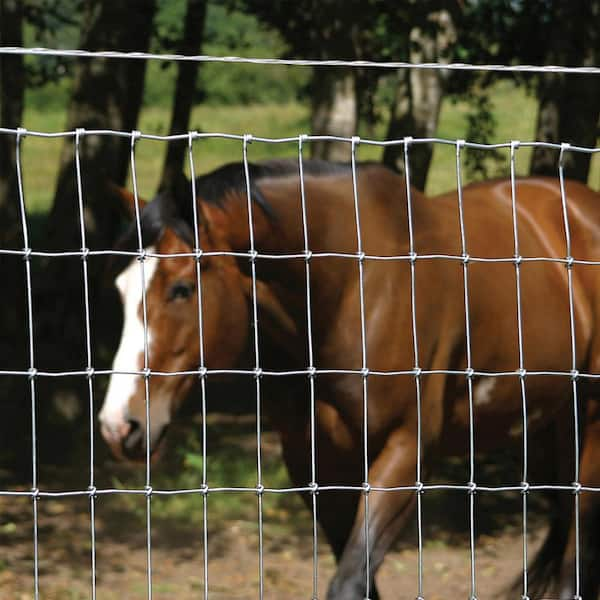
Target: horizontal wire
316,488
309,372
464,258
298,62
195,135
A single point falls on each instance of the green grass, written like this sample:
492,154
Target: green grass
514,111
231,462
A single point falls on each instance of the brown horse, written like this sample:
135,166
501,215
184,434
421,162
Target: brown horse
384,371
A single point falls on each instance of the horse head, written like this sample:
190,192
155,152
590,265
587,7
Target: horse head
171,332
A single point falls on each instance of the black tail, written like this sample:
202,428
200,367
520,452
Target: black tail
544,571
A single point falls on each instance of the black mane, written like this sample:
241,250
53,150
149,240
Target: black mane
173,207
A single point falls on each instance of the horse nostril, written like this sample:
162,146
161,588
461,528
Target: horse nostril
133,443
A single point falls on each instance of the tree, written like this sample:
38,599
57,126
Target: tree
185,88
13,338
106,94
419,93
562,32
569,106
12,91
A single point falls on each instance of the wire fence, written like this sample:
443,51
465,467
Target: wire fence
311,372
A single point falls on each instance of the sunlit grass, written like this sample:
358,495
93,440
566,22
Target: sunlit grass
514,110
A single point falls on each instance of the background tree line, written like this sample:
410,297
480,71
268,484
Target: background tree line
108,94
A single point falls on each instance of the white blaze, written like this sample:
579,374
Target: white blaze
484,389
122,387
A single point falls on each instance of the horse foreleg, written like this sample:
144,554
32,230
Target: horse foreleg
387,514
589,521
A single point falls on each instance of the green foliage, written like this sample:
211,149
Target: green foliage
236,33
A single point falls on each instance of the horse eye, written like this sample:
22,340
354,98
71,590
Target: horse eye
181,290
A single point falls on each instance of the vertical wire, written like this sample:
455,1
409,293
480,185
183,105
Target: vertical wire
574,372
32,370
88,345
417,368
522,373
472,486
311,369
198,253
257,369
364,367
141,257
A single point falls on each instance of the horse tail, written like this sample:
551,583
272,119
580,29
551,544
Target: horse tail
545,569
543,572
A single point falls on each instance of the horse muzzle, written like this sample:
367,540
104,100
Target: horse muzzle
128,441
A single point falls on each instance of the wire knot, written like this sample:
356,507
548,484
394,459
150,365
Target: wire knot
366,487
198,252
258,373
408,140
413,257
364,372
522,373
146,372
202,371
79,133
308,255
27,253
141,255
92,491
313,487
85,252
312,372
470,372
518,260
574,375
192,135
135,136
90,372
472,487
576,487
21,132
524,487
35,493
514,145
148,491
248,138
252,254
204,489
32,373
417,371
260,489
570,262
419,487
355,140
466,258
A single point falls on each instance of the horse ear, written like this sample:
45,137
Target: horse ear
276,320
125,199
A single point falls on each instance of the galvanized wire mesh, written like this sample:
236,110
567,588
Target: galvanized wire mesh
311,372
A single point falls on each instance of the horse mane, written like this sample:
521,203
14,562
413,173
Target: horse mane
172,207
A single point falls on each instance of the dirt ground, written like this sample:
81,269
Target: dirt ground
177,555
233,562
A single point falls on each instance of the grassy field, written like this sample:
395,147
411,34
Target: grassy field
514,111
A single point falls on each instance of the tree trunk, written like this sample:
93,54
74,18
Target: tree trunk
15,440
334,112
569,108
184,89
106,94
568,112
12,89
418,99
